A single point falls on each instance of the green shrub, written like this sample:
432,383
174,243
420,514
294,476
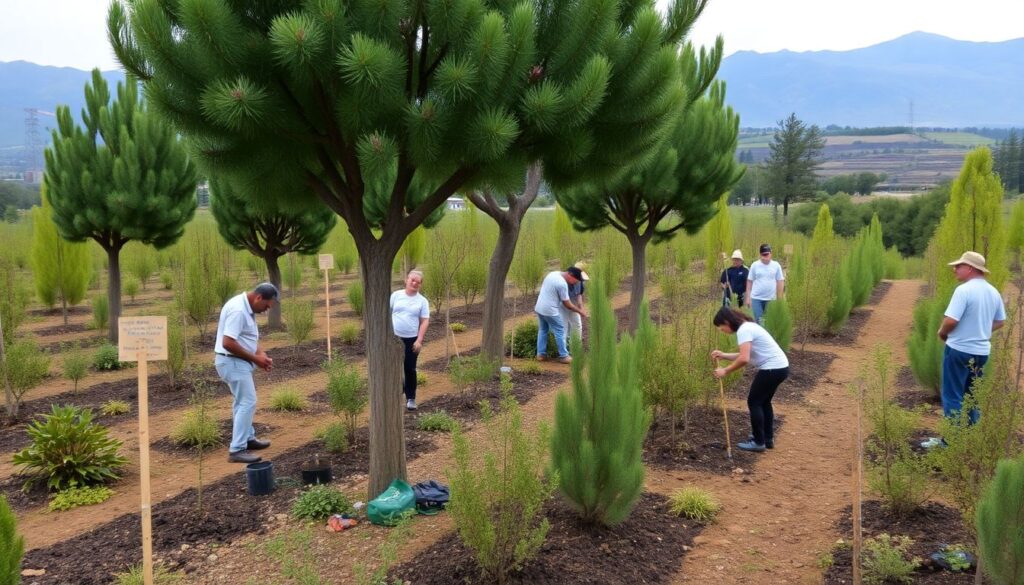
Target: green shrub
335,437
531,368
298,315
293,272
161,576
523,340
884,560
196,429
69,450
115,408
287,400
842,302
346,391
24,368
471,371
421,379
349,333
131,288
355,297
167,279
12,545
779,322
502,493
319,502
470,278
437,421
924,348
105,358
83,496
998,521
457,327
695,504
76,364
177,343
100,312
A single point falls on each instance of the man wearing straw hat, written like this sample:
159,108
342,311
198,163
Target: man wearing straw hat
974,312
734,280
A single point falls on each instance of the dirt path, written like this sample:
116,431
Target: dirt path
776,521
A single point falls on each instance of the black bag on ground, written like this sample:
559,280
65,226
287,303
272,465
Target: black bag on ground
431,497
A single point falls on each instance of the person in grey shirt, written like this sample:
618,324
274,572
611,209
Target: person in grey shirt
237,355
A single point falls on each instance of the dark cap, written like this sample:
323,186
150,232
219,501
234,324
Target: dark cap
575,272
765,248
266,291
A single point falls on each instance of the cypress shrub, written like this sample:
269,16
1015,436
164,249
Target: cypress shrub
842,303
599,429
779,322
999,520
12,546
924,347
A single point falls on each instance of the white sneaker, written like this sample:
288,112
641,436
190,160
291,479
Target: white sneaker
932,443
410,405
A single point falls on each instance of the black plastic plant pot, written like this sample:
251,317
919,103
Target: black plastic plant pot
317,475
260,477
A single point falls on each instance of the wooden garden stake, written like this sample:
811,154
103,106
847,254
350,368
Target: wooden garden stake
143,339
725,416
326,263
857,472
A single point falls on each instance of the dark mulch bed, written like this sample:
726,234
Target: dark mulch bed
83,342
806,370
440,365
56,311
229,512
472,316
701,447
911,395
850,332
167,444
63,329
465,406
646,548
930,527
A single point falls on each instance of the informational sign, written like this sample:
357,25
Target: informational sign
135,334
787,249
326,261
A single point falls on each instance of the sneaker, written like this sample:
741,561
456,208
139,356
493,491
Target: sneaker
769,444
541,357
751,446
933,442
565,360
410,405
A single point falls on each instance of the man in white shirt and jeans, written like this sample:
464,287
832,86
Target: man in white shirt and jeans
238,354
764,282
974,312
554,296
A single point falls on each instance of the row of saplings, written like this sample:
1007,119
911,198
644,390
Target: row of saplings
981,471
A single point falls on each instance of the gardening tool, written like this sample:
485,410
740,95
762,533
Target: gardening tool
725,415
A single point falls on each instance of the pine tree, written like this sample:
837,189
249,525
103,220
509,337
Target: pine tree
12,546
842,301
819,283
597,444
268,230
385,109
123,177
795,155
779,322
679,187
61,270
999,518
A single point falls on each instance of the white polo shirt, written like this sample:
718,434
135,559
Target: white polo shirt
975,305
237,321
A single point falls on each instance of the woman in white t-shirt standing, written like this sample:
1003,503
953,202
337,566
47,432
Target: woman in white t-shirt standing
757,347
410,315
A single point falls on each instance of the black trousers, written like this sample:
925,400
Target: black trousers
762,390
409,384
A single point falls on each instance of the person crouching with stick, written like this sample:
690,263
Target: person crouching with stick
757,347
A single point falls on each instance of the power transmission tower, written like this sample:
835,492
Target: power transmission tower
34,139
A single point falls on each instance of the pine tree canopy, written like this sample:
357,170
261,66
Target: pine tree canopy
795,156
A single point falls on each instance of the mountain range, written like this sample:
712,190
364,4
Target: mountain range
949,83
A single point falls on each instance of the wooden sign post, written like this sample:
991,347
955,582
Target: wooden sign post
143,339
326,263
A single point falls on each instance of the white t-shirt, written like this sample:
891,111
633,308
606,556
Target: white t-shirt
765,354
406,312
975,305
553,291
237,321
764,276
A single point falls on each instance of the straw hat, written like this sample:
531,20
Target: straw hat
737,254
972,259
583,269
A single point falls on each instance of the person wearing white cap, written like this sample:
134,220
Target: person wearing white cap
573,321
974,312
765,282
734,280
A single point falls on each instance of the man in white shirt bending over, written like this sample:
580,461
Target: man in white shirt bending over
764,282
554,296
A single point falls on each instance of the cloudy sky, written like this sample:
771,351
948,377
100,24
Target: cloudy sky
73,32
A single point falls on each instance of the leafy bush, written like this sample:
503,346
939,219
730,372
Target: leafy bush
457,327
83,496
287,400
437,421
335,437
69,450
497,502
115,408
196,429
24,368
319,502
161,576
346,391
884,560
12,545
298,315
470,278
349,333
105,358
100,312
355,297
523,340
695,504
471,371
131,288
998,521
76,364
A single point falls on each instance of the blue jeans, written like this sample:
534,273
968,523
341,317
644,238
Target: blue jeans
959,370
237,374
556,326
759,307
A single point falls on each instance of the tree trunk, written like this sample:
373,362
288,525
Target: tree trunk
636,294
113,291
274,273
384,368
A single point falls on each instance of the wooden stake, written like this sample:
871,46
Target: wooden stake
725,417
147,519
857,471
327,305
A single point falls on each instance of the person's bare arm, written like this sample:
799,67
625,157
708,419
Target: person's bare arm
997,325
948,324
741,360
418,344
569,306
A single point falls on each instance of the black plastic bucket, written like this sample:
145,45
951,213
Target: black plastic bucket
260,476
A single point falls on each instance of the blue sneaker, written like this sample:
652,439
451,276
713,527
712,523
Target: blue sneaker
751,446
934,442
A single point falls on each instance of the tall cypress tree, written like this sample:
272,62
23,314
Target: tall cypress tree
998,520
268,230
61,270
123,177
384,109
675,189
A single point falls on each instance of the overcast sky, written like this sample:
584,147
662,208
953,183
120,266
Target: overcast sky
73,32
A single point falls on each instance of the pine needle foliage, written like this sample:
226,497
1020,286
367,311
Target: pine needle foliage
779,322
597,444
60,269
12,545
999,520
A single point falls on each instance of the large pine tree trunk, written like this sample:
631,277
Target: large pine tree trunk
113,290
384,369
274,273
638,244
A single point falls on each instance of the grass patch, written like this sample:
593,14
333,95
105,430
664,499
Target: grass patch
437,421
695,504
288,400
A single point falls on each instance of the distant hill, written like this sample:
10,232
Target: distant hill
951,83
